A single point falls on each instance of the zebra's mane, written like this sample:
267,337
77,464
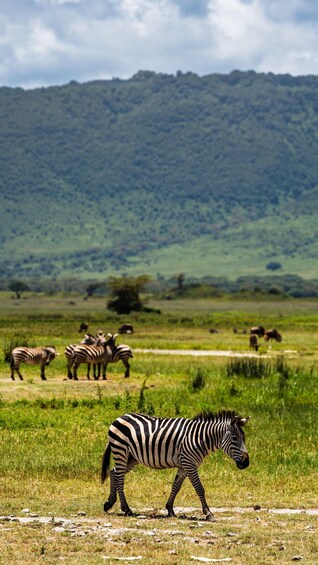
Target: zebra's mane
221,416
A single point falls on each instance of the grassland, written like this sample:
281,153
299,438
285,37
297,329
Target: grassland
53,435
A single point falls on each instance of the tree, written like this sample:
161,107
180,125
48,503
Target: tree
273,266
92,288
125,292
18,287
180,279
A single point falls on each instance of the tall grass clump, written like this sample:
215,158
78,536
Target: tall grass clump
198,380
250,368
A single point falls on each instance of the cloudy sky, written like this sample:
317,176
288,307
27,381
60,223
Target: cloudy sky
50,42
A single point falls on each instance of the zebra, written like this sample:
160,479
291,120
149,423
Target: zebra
91,354
88,339
32,356
117,353
162,443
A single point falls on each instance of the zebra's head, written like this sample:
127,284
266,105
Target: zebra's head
233,442
51,354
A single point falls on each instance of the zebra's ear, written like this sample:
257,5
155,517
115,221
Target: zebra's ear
115,335
242,421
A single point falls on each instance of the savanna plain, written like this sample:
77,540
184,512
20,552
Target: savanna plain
53,434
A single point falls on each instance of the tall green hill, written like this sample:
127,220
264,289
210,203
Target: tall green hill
213,175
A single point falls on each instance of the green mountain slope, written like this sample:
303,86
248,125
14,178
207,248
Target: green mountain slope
160,173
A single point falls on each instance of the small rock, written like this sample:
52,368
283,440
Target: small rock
25,510
297,558
256,507
81,513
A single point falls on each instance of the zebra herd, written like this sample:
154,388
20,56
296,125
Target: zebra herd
99,351
158,443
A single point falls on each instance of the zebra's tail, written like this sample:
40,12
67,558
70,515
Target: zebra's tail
106,463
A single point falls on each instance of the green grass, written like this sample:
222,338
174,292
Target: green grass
53,435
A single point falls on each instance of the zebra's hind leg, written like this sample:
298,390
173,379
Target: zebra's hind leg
113,492
117,479
127,372
177,484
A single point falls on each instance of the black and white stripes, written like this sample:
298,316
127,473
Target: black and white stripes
31,356
170,442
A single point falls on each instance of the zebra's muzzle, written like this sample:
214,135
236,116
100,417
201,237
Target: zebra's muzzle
243,463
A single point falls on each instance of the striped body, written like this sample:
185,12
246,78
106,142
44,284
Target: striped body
89,339
161,443
92,354
31,356
117,353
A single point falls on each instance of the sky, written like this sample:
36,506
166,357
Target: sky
52,42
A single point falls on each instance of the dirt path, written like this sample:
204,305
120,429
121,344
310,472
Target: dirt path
210,352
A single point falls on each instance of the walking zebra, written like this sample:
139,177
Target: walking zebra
89,339
32,356
120,352
92,355
162,443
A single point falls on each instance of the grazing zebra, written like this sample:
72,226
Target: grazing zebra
254,342
91,354
272,334
32,356
162,443
258,330
89,339
120,352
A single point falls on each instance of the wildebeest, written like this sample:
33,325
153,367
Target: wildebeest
213,331
272,334
254,342
83,327
258,330
126,329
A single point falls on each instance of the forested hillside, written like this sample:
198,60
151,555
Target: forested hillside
214,175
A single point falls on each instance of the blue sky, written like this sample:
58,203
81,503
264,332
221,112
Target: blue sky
51,42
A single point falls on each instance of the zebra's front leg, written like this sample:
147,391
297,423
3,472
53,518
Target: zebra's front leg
43,377
89,370
193,475
177,484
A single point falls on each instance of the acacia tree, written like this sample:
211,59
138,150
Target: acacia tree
18,287
125,293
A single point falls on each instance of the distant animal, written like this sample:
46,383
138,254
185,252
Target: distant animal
258,330
254,342
126,329
161,443
92,355
32,356
272,334
213,331
83,327
117,353
88,339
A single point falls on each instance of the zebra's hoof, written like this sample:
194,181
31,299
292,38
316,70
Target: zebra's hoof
210,518
107,506
129,512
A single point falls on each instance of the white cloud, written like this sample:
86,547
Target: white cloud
45,42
